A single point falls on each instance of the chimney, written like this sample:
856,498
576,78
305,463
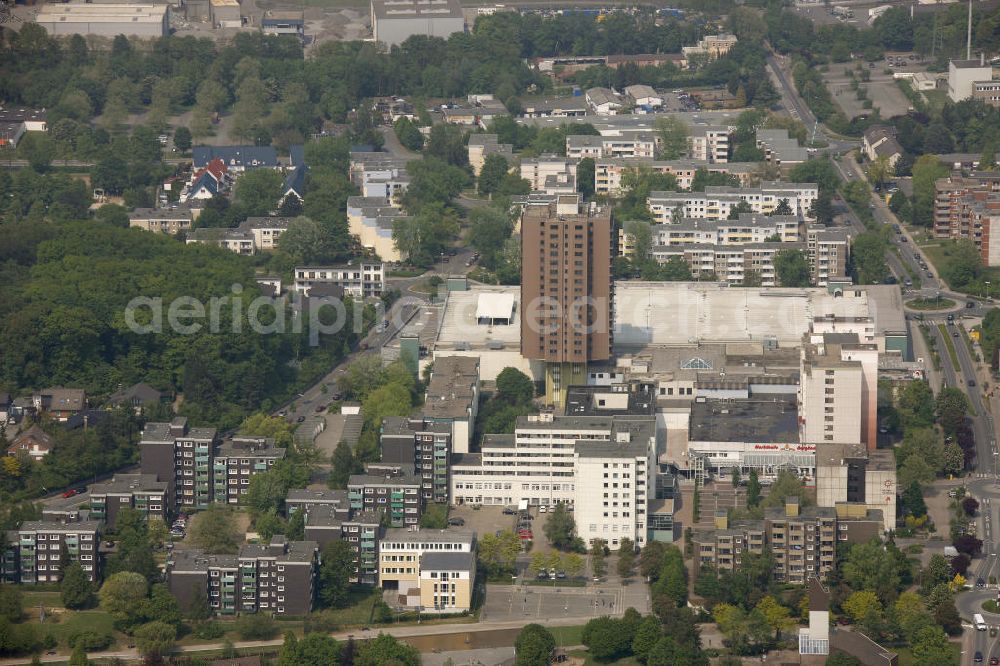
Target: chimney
721,519
792,506
178,426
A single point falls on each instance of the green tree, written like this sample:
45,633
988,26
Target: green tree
868,568
735,476
214,530
862,603
515,387
916,404
777,616
641,236
313,648
344,465
389,400
306,241
585,175
123,595
912,501
491,175
77,590
386,650
841,659
792,268
926,170
952,406
424,236
674,134
605,639
489,229
448,142
182,139
783,208
408,133
740,208
155,638
672,581
626,557
256,627
753,489
336,568
498,552
534,646
78,658
560,527
931,647
649,632
258,190
598,565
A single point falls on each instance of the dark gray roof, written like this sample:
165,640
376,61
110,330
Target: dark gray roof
759,421
245,156
447,562
129,483
140,392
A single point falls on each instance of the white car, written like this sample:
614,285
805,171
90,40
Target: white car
542,509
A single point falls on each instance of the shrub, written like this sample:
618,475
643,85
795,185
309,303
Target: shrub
90,641
256,628
209,630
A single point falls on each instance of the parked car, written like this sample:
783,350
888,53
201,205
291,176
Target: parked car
457,522
300,419
543,575
970,304
69,493
971,383
560,575
81,490
507,511
994,660
542,509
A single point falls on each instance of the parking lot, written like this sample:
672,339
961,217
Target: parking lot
490,519
881,89
533,602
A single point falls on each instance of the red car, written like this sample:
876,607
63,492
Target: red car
526,536
69,493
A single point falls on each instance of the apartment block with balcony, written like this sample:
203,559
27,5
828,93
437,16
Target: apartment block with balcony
968,207
736,264
717,202
181,456
638,144
829,251
430,570
35,552
364,280
360,529
546,169
390,489
425,445
142,492
237,461
723,546
803,541
608,172
709,143
277,578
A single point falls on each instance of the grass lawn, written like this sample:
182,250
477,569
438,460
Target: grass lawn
590,661
940,255
950,345
31,600
568,635
906,656
74,622
935,99
359,612
930,303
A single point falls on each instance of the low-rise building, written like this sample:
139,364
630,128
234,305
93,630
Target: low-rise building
105,19
880,141
276,22
364,280
393,21
33,443
277,578
603,101
371,219
644,96
136,397
431,571
482,146
253,235
59,403
710,47
236,158
141,492
963,76
779,148
162,221
545,169
34,120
